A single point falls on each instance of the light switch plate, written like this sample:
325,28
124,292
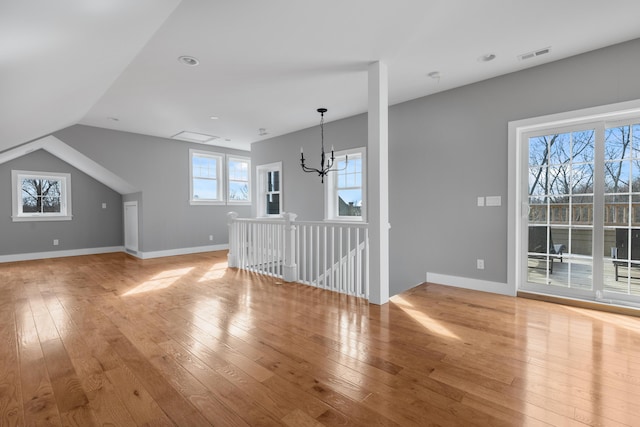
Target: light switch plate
494,200
480,201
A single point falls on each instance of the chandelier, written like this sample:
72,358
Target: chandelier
325,164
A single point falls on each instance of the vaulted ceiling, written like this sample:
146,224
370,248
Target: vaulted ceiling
266,64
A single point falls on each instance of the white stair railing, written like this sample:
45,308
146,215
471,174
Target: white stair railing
328,255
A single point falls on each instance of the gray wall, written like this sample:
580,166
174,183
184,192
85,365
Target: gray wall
91,226
303,192
447,149
159,168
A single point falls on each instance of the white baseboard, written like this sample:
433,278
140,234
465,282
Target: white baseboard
107,250
59,254
181,251
474,284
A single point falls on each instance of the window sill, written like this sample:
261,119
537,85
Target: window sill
41,218
206,203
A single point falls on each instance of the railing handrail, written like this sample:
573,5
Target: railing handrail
265,220
335,223
280,220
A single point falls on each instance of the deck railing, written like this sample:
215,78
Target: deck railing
328,255
615,214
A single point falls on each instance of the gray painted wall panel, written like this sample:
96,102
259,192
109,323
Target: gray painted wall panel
447,149
91,226
160,169
303,192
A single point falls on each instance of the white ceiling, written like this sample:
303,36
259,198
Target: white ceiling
265,64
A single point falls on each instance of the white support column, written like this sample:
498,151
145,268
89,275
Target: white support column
290,269
378,183
232,256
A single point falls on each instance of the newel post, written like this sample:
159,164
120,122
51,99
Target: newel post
290,269
232,256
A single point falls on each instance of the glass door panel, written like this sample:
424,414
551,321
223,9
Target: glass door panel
621,258
560,221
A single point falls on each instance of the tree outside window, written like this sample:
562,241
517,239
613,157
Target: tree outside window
41,196
239,178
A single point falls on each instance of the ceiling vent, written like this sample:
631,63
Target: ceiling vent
194,137
534,54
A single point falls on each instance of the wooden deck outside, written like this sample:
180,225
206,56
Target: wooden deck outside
578,274
111,340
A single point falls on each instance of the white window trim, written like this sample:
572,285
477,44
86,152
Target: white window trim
261,172
65,193
517,208
330,195
220,175
243,159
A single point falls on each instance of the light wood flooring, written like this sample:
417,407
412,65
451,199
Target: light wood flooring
112,340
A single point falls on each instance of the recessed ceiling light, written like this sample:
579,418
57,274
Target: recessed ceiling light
487,57
214,117
194,137
262,132
434,75
189,60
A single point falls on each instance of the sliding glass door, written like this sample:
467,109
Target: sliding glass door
581,229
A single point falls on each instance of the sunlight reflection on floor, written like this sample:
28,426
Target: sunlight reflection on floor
422,318
160,281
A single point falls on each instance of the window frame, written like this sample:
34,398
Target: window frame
261,175
18,215
231,158
518,132
220,177
331,203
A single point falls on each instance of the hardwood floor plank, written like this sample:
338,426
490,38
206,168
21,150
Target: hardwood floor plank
135,397
11,406
67,390
174,404
113,340
232,403
298,418
37,392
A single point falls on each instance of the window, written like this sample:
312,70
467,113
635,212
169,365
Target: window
41,196
270,189
345,191
206,170
239,173
575,212
560,205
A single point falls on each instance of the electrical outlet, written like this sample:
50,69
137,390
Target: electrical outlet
480,264
104,206
55,242
210,236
